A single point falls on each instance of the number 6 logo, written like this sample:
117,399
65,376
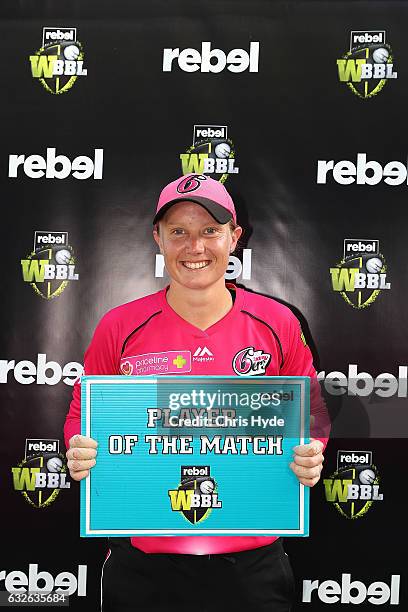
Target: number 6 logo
190,183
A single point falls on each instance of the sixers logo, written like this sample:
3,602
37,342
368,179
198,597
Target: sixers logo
249,362
191,183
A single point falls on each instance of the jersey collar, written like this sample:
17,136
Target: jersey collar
225,322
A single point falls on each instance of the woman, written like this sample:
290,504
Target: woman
196,230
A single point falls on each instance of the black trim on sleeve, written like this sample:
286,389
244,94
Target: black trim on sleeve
137,329
271,329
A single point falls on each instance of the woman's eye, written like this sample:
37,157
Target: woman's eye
177,231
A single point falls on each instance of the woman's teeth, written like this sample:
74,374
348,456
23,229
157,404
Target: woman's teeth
195,265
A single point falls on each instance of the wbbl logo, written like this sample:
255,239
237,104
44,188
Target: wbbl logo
368,64
60,60
355,486
362,273
196,494
42,473
51,265
212,152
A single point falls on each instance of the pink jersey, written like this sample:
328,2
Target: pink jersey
258,336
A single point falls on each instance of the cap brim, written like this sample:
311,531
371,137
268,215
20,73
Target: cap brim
220,214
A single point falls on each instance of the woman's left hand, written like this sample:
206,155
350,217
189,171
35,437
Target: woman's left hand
307,463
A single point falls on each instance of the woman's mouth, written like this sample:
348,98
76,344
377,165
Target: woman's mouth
196,265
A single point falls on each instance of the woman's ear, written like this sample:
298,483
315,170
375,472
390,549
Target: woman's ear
156,236
236,234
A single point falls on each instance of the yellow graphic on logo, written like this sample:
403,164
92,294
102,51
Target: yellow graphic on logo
179,361
58,65
49,271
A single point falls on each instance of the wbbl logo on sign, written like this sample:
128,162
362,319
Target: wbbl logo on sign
368,65
355,486
362,273
51,265
212,152
42,473
196,494
60,60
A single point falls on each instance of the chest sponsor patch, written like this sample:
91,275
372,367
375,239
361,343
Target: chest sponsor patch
250,362
166,362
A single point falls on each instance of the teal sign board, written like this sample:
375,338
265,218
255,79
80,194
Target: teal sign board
186,455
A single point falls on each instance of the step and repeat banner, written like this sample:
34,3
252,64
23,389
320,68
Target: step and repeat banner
299,108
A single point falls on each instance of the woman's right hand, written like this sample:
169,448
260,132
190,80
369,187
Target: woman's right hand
81,456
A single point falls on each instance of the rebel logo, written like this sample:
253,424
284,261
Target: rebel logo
54,166
250,362
191,183
211,153
51,265
42,473
60,60
355,486
212,60
361,275
196,495
368,64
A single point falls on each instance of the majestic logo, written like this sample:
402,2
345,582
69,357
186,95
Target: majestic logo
203,354
60,61
42,473
212,152
368,64
51,265
57,166
362,273
196,495
212,60
250,362
165,362
353,591
355,486
235,268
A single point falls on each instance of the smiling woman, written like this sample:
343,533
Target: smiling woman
198,325
196,251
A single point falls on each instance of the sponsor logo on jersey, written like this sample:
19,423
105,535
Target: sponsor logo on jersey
54,166
165,362
203,354
368,64
355,486
196,495
251,362
212,60
51,265
236,268
42,473
362,273
43,372
349,591
60,60
212,152
34,581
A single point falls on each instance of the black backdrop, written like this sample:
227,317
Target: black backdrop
278,122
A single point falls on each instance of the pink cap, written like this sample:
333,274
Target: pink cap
201,189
